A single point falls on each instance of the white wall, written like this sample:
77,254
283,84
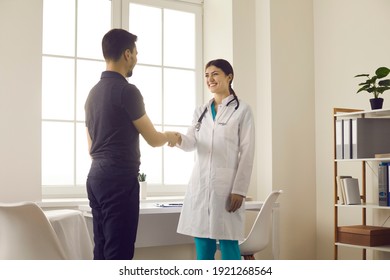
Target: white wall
244,54
351,37
292,103
217,33
20,99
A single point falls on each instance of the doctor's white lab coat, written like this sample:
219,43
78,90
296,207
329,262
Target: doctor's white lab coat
224,160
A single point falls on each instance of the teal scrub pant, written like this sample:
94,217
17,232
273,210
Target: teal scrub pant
206,248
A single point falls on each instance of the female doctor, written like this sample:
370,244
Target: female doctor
223,135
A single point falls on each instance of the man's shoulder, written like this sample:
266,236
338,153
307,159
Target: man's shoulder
130,89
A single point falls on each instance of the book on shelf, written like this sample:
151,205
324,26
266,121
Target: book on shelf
383,183
340,188
339,139
347,147
352,191
388,185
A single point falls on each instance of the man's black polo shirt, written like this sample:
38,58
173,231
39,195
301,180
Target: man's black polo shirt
111,106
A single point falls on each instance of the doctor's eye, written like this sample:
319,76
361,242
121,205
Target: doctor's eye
212,74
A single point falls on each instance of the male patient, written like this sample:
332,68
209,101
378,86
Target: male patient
115,116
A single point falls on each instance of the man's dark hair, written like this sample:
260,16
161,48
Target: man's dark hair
115,42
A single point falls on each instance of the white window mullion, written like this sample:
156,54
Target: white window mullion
75,97
162,92
119,13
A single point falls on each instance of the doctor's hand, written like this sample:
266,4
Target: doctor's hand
173,138
235,202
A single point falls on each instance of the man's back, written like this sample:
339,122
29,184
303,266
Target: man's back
110,108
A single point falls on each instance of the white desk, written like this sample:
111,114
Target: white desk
157,225
153,208
72,231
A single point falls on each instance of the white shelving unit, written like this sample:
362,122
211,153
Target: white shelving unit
340,113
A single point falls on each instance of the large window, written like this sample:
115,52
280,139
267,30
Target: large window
168,74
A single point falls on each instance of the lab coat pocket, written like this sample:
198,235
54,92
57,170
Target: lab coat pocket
224,178
231,131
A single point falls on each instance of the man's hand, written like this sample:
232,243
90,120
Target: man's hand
173,138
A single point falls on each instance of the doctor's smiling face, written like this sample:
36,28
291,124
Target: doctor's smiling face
217,81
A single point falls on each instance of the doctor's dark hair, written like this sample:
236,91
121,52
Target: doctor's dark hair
226,68
116,42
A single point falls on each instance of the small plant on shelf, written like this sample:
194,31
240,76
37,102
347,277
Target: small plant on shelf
376,84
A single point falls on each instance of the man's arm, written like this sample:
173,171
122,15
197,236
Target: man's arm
151,135
89,141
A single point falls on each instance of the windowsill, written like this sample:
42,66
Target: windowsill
67,194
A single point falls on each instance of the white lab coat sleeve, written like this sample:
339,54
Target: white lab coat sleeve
247,153
188,141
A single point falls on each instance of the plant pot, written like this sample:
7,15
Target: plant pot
376,103
143,190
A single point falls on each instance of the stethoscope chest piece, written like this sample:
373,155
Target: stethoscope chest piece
197,126
199,123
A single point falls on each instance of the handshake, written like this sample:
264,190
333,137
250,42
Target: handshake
173,138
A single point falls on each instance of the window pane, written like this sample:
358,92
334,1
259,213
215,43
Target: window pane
179,85
145,22
83,160
57,153
149,82
94,20
151,161
179,39
177,163
88,74
58,27
57,88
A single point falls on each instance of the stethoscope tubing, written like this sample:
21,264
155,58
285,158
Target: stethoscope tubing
199,122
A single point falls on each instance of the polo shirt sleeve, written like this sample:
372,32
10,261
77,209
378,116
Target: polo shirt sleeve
133,102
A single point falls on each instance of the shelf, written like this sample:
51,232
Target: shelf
361,159
377,248
364,205
342,114
369,113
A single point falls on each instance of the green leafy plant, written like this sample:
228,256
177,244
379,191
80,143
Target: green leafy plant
141,177
375,84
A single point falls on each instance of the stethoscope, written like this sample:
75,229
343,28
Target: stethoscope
199,123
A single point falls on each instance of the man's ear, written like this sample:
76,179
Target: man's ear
127,54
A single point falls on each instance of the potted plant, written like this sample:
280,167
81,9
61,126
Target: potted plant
375,85
142,185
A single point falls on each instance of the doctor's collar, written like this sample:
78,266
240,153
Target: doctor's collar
225,101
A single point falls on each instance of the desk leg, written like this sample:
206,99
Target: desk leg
275,233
